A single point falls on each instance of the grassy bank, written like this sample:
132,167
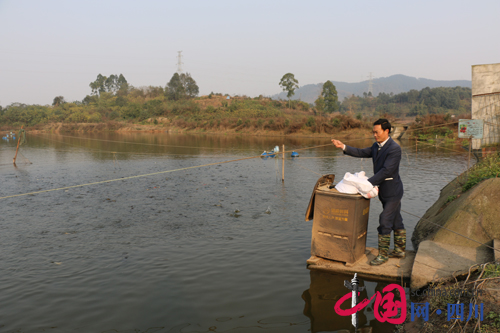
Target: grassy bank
149,109
213,113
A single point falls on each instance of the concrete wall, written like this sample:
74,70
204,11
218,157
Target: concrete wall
486,102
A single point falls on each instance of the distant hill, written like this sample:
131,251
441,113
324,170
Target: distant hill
396,84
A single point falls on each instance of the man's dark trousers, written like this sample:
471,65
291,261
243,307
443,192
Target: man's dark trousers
385,166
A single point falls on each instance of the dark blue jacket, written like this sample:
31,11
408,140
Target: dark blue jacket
385,165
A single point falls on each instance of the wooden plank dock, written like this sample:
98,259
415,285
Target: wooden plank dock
394,270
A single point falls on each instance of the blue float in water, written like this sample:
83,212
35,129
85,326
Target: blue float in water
268,154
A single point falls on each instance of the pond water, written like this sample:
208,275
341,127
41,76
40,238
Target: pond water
219,248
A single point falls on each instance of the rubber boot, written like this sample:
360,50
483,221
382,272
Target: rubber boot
399,244
384,241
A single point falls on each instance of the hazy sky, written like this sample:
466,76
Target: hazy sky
52,48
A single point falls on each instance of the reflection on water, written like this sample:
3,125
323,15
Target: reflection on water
220,248
320,299
324,292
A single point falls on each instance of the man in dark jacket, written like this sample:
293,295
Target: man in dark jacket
386,155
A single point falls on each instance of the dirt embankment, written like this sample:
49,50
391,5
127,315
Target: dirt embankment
164,126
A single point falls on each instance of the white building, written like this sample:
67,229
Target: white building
486,102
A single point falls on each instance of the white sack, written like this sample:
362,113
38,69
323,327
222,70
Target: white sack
346,188
357,183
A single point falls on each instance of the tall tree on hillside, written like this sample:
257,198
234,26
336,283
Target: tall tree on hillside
113,84
288,83
175,90
181,86
122,85
58,100
330,97
319,103
98,85
190,85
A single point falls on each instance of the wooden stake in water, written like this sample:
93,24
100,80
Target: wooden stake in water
283,166
17,149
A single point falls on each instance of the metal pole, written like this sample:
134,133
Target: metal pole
468,161
17,149
283,166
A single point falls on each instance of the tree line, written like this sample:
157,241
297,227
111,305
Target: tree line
113,98
442,100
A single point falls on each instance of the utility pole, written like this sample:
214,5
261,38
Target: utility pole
179,62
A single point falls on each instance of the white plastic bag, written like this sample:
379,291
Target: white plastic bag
357,183
346,188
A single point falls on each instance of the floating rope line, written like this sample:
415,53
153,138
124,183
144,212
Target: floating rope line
408,130
434,145
125,178
144,175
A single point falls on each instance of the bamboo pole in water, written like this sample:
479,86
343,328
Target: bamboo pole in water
283,166
17,149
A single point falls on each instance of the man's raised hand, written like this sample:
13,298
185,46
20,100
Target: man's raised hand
338,144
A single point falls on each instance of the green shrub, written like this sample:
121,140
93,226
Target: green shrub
451,198
491,271
277,104
336,122
132,110
310,122
113,115
488,167
234,106
94,118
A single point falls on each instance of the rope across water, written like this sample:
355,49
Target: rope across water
210,164
144,175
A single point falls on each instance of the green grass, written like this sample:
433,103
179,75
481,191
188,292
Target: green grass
451,198
488,167
491,271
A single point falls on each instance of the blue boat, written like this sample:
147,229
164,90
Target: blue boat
268,154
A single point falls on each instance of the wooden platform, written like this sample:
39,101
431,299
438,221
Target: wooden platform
393,270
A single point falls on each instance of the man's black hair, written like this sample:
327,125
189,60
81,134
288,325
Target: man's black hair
384,123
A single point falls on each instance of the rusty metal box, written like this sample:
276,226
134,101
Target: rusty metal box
339,225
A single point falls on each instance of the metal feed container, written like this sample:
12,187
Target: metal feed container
339,225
